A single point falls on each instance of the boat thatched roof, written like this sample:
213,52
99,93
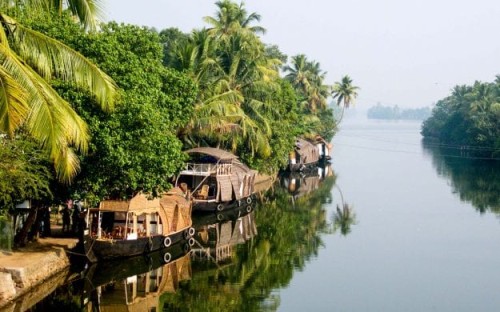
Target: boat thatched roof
138,204
214,152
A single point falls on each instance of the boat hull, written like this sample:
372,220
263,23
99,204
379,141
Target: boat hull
101,249
217,206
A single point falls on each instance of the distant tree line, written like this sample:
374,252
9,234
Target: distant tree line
394,112
469,118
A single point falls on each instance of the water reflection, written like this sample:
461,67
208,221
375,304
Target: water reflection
289,235
476,181
344,216
343,219
216,241
241,257
302,183
134,292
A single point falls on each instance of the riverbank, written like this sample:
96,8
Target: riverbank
25,268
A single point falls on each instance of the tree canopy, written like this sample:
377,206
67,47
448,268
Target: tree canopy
468,118
28,61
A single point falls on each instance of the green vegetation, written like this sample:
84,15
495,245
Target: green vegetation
469,118
345,93
28,61
24,172
395,113
111,108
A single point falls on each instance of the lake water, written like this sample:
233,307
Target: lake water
416,245
396,226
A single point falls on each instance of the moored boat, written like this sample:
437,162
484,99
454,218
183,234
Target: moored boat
125,228
216,180
308,153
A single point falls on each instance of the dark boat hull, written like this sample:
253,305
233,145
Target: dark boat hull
112,249
302,167
217,206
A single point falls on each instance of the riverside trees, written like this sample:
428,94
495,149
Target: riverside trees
219,86
243,104
468,118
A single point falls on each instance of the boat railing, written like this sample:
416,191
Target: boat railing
219,169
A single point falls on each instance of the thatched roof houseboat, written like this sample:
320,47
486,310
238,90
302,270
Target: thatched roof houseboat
216,179
124,228
307,154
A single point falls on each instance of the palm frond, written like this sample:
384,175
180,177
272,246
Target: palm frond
51,58
13,102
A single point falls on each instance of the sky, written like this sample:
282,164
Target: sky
398,52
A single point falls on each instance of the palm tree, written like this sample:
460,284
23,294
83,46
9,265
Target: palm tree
28,60
345,93
232,18
230,66
307,78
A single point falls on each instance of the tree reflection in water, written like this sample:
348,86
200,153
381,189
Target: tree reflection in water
289,234
476,181
343,218
241,257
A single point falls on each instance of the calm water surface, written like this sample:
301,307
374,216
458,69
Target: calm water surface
416,245
397,227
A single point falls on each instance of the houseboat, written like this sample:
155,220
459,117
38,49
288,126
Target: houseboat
124,228
308,153
216,180
324,149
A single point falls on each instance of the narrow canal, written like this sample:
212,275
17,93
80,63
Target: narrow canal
391,225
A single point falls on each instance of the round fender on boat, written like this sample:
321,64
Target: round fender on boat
249,208
167,257
191,242
167,242
249,200
191,231
220,207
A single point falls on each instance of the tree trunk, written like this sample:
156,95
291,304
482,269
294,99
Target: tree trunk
337,122
21,238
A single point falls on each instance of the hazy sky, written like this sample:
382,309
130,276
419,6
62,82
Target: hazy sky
409,53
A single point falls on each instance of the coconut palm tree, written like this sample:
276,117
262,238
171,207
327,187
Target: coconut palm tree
345,93
28,61
230,66
232,18
307,78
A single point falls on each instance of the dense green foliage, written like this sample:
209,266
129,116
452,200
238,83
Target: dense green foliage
394,113
469,118
243,103
219,86
28,61
135,147
24,172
